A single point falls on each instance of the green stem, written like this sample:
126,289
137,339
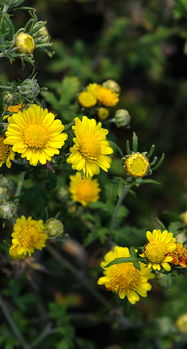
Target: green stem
119,202
81,278
20,184
12,324
45,333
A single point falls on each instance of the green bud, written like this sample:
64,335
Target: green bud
11,98
62,193
7,210
42,35
122,118
112,85
54,228
6,183
4,194
29,88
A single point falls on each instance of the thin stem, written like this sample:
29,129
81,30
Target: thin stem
20,185
81,278
12,324
119,202
45,333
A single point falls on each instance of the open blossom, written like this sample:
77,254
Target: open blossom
157,250
136,165
124,278
35,134
91,149
84,190
6,153
28,235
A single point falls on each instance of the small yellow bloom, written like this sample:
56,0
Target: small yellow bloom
91,149
107,97
84,190
157,250
25,43
184,217
28,235
179,255
15,108
6,153
86,99
124,278
102,113
181,323
137,165
93,89
35,134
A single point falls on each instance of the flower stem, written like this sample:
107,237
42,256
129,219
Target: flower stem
12,324
119,202
79,276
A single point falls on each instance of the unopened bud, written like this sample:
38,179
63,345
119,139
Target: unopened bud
7,210
62,193
54,228
29,88
112,85
6,183
42,35
4,194
102,113
122,118
181,323
11,98
25,43
184,217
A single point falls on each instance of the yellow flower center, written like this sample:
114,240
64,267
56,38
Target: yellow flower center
123,276
90,147
35,136
28,237
155,252
137,165
4,149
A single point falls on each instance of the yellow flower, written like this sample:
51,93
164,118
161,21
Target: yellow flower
6,153
86,99
181,323
102,113
25,43
84,190
157,249
184,217
179,255
93,89
35,134
137,165
91,149
15,108
107,97
28,235
124,278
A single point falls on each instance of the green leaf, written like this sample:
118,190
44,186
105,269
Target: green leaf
116,147
122,260
134,142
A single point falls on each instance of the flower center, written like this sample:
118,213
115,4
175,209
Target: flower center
35,136
4,149
86,191
155,252
90,147
122,276
28,237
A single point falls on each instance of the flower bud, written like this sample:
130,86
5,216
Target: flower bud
29,88
54,228
42,35
7,210
62,193
11,98
184,217
6,183
112,85
102,113
25,43
181,323
122,118
4,194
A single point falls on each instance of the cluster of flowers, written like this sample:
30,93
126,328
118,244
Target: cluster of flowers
161,251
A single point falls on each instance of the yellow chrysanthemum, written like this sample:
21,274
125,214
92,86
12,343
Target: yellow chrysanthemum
184,217
6,153
137,165
28,235
157,249
91,149
84,190
93,89
124,278
15,108
25,43
86,99
179,255
35,134
102,113
107,97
